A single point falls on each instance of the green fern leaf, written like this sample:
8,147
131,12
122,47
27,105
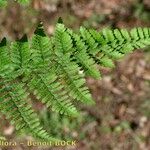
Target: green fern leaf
69,71
21,114
83,58
70,75
54,70
6,67
41,48
21,54
47,89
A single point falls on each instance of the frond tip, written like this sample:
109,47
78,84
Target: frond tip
54,70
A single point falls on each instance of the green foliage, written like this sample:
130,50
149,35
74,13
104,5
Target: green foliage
4,2
53,69
141,11
23,1
64,127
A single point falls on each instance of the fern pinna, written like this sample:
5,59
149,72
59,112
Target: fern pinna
54,70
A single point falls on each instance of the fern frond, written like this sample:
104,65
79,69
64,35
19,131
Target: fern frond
69,71
83,58
4,54
74,82
21,54
63,41
41,48
5,60
47,89
90,42
140,37
111,45
54,70
13,97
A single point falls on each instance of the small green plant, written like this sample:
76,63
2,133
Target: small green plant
53,69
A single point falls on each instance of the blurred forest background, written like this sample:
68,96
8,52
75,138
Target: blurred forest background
120,120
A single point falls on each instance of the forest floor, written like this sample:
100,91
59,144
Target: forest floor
120,120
